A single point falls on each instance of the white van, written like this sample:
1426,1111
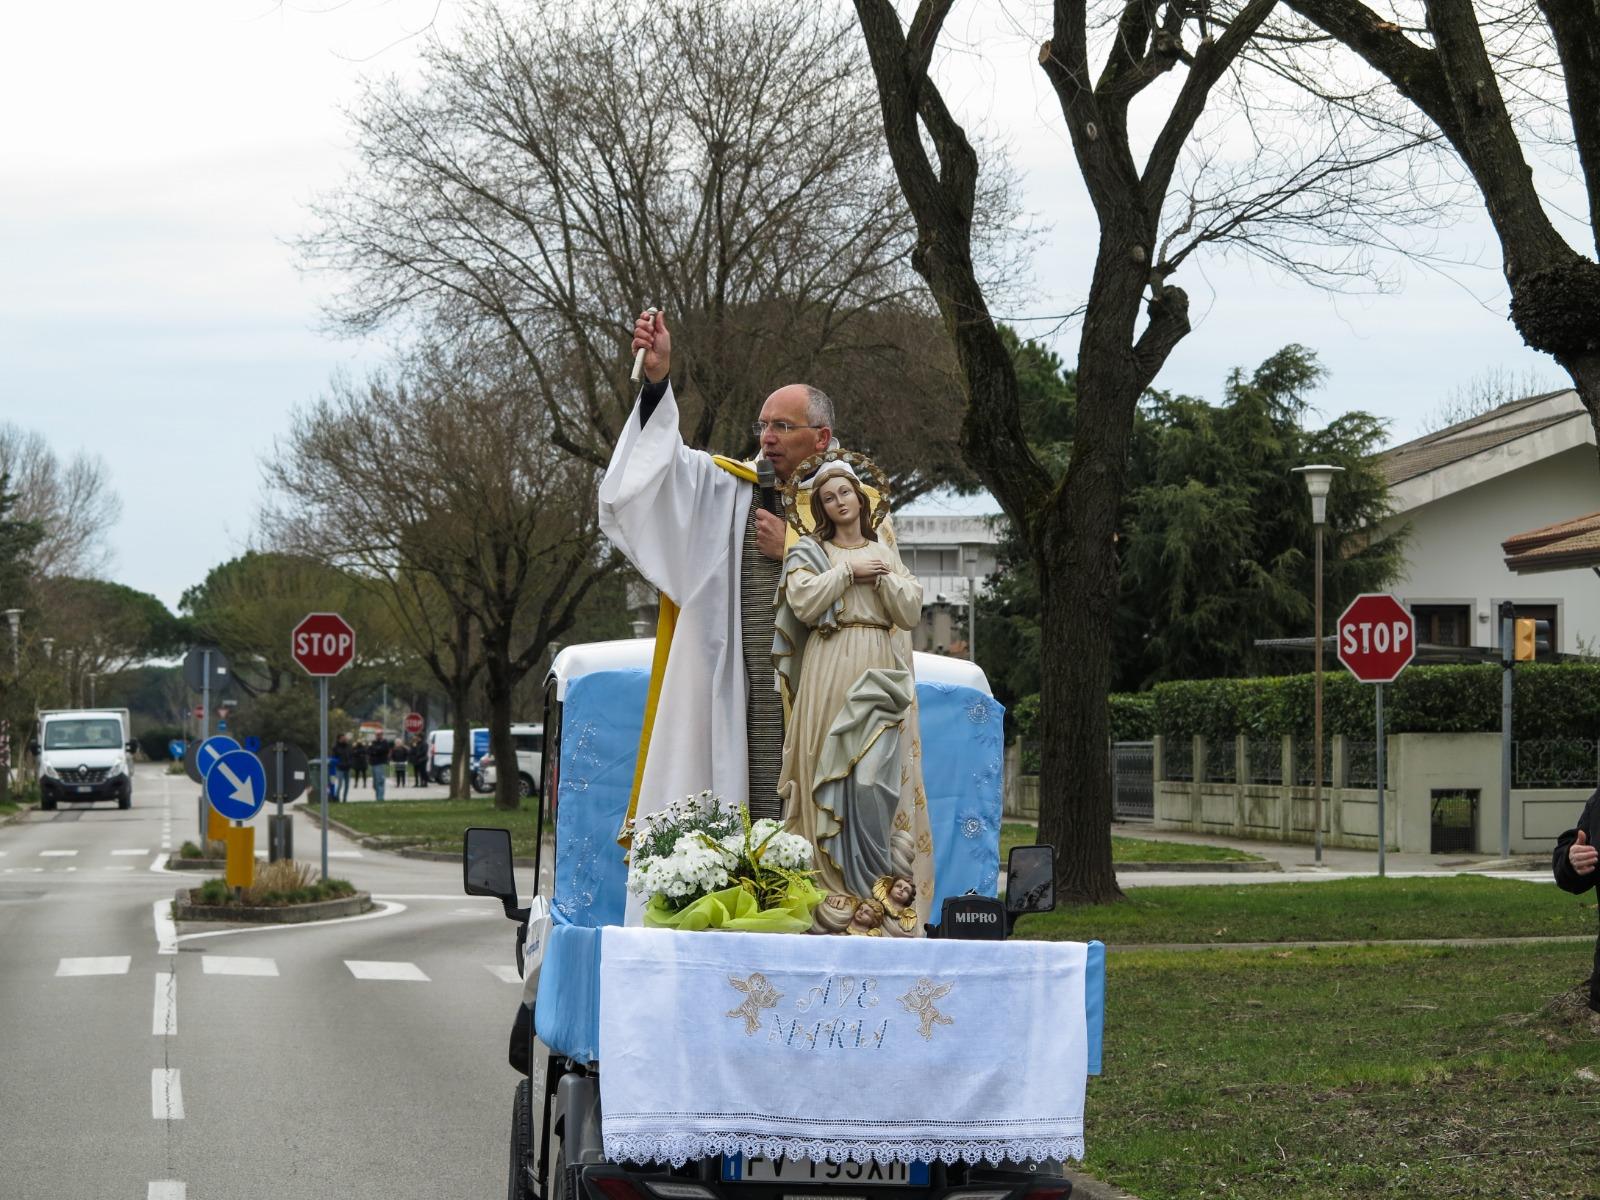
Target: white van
529,740
441,750
85,754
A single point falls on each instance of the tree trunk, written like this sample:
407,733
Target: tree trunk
461,756
500,684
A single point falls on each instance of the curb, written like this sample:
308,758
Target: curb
1090,1188
288,914
19,814
1229,867
196,864
391,845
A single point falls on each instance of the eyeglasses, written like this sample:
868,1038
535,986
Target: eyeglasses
760,427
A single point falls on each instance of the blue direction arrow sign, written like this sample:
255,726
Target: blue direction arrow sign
207,753
236,785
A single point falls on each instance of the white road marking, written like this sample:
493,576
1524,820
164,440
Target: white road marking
166,1094
23,871
166,927
167,1189
385,910
504,973
344,854
120,853
223,965
386,970
113,965
165,1021
57,853
160,862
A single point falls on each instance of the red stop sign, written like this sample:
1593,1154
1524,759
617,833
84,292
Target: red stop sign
323,644
414,722
1377,638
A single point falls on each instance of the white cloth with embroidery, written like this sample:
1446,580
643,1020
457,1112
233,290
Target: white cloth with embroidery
886,1049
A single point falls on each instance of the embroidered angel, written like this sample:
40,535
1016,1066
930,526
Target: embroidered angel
758,995
919,1002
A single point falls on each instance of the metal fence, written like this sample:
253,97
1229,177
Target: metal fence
1264,760
1222,761
1133,796
1305,757
1555,763
1361,764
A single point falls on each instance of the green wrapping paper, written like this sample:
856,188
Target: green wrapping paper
735,908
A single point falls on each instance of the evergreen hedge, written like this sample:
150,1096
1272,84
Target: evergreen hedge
1550,700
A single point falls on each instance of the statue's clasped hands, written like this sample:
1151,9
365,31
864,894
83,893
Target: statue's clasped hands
868,570
1582,855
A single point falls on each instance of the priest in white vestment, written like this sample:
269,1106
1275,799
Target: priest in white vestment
687,520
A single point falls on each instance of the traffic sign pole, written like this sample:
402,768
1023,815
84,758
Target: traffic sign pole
205,732
326,775
1508,629
1383,837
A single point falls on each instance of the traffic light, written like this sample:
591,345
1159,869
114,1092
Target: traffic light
1532,639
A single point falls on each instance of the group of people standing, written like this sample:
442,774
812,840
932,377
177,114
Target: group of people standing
357,761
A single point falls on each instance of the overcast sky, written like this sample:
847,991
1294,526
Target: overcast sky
156,157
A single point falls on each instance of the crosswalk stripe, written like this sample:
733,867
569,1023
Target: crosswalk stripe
167,1189
166,1094
57,853
386,970
118,853
164,1018
224,965
502,972
111,965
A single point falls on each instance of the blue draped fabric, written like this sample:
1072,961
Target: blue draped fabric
601,718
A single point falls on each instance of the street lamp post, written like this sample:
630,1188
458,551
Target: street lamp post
14,619
970,559
1318,479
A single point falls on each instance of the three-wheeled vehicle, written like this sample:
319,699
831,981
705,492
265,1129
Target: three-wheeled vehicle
594,704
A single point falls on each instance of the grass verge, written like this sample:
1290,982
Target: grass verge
1393,1071
437,824
1126,849
1336,910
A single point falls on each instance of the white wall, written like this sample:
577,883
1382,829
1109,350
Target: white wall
1454,554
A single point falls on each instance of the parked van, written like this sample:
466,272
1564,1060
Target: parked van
84,754
529,740
441,749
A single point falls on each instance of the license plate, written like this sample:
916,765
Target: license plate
736,1168
82,788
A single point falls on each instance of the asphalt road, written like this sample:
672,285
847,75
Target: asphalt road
362,1058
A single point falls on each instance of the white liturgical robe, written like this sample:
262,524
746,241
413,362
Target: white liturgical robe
680,519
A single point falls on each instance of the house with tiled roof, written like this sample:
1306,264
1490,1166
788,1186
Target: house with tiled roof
1514,475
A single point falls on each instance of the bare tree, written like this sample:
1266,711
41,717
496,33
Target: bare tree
70,500
558,169
1307,204
441,486
1484,392
1505,83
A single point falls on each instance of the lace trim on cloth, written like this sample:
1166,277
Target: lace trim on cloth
679,1148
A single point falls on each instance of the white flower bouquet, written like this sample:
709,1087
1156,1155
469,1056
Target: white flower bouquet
705,865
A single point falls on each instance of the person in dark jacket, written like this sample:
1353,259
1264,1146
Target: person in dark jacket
399,755
360,756
419,760
1574,863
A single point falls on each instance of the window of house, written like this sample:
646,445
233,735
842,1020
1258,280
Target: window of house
1443,624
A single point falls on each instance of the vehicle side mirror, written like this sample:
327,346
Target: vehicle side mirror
1031,880
486,866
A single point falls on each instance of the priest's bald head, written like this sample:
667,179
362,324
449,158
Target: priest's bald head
796,422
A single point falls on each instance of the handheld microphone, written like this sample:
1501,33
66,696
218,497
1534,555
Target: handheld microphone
767,481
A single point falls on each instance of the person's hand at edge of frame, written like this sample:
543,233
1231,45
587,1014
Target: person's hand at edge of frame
1581,856
651,335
